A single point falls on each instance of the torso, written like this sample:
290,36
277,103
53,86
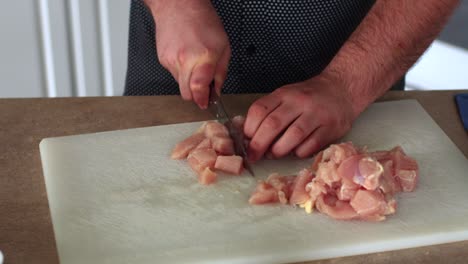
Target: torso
273,43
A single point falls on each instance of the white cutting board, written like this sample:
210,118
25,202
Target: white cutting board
116,197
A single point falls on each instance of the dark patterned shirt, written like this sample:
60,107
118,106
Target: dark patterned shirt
273,43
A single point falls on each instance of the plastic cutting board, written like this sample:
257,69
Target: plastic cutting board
116,197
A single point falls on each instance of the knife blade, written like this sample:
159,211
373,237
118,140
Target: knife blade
216,108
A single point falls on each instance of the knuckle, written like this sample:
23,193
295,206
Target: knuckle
182,56
280,91
208,54
196,88
297,132
207,51
272,122
302,98
258,109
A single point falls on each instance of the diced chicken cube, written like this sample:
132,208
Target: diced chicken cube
182,149
206,143
215,129
339,152
347,190
340,210
223,145
275,189
207,176
368,203
408,179
200,159
316,188
327,171
349,169
371,170
264,193
389,183
229,164
299,194
283,185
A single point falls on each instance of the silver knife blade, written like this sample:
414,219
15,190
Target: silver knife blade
216,108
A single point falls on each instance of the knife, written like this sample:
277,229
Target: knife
216,108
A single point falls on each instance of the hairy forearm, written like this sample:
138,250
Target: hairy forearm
386,44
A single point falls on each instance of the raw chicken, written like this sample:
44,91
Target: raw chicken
223,145
215,129
405,168
200,160
264,193
367,203
389,183
207,176
183,148
345,182
299,194
276,188
208,149
206,143
230,164
335,208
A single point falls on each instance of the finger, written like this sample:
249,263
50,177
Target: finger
258,111
315,141
222,69
184,75
270,128
238,122
296,133
201,77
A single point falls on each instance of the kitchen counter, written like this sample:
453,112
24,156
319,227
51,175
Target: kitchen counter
26,234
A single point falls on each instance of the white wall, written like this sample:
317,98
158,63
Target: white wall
63,47
20,61
442,67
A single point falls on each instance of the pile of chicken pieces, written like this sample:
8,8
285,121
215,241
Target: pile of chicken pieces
344,181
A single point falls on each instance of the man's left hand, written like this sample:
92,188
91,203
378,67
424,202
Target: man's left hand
301,118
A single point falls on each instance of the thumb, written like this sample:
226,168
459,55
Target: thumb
202,76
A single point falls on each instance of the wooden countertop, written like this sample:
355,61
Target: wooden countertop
26,234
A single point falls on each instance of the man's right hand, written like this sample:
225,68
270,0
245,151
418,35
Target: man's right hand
192,45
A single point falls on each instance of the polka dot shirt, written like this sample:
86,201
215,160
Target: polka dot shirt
273,43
